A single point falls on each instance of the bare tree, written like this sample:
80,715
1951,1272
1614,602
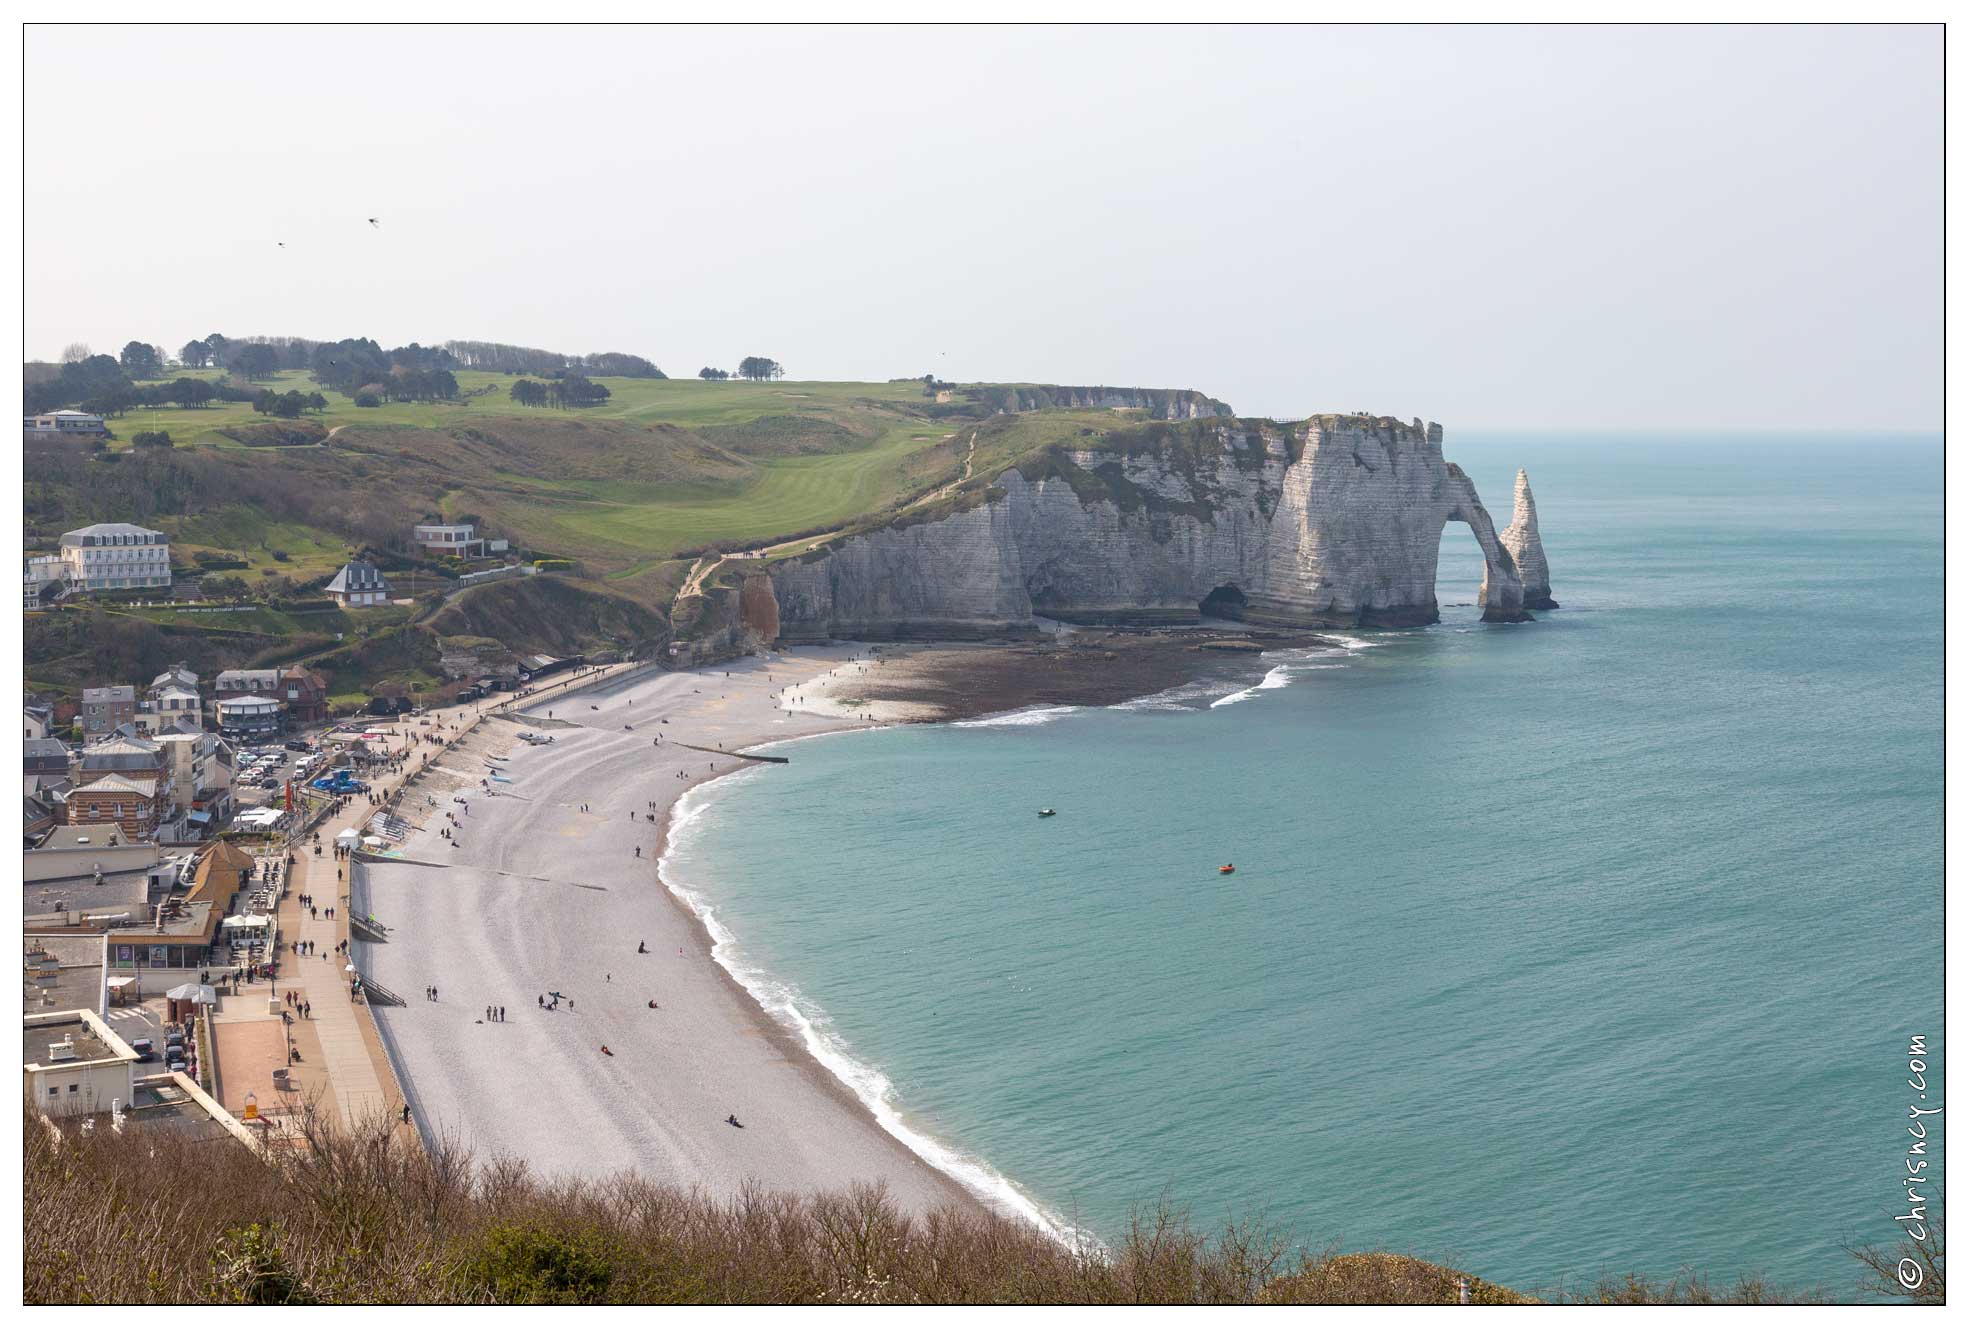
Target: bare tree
75,352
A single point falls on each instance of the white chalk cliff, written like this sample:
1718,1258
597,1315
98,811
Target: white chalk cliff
1332,521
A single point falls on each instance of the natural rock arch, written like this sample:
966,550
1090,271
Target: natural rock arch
1503,591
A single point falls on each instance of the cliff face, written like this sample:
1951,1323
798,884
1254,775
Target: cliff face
1160,403
1334,521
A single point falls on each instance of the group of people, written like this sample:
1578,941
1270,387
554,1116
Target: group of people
495,1015
430,994
302,1008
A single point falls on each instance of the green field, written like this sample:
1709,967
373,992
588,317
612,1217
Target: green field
777,498
687,402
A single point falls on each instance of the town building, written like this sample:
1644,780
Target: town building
358,585
248,716
44,581
73,1062
38,717
45,756
105,710
458,539
116,556
198,770
303,692
178,675
123,753
180,931
64,424
39,815
133,803
168,709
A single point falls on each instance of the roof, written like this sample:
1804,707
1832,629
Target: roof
93,1040
121,754
46,751
249,703
248,678
45,787
117,784
357,575
180,674
115,692
102,528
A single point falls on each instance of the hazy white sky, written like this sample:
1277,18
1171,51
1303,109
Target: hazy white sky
1491,227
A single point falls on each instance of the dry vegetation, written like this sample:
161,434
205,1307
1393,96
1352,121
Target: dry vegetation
144,1217
149,1217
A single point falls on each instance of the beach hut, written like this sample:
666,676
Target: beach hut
348,839
182,1001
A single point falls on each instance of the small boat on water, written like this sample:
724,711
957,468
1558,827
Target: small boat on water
1228,868
1046,812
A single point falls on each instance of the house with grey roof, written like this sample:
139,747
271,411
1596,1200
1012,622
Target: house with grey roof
358,584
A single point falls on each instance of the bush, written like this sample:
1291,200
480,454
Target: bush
150,438
368,399
529,1265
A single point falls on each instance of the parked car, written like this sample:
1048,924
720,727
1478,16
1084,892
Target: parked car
144,1048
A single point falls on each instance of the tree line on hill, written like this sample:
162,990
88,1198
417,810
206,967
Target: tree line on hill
758,368
564,393
99,384
499,358
354,366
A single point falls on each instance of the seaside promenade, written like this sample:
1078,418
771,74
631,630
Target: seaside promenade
343,1060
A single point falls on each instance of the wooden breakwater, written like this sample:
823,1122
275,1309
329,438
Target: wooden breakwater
741,756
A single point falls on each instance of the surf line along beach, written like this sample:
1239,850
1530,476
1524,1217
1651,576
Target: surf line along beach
539,892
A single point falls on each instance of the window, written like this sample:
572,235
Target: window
53,1090
74,1088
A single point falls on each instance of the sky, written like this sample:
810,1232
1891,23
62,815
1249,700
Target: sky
1578,228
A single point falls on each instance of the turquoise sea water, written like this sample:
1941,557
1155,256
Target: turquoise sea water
1553,950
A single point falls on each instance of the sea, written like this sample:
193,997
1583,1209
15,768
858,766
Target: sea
1554,951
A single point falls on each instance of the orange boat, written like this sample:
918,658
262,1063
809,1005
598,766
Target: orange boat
1228,868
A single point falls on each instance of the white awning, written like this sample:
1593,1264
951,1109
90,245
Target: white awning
246,921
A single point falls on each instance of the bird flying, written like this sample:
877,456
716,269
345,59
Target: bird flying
373,222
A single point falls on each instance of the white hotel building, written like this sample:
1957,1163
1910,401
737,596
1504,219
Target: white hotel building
115,556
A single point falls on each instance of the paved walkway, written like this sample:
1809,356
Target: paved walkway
358,1091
